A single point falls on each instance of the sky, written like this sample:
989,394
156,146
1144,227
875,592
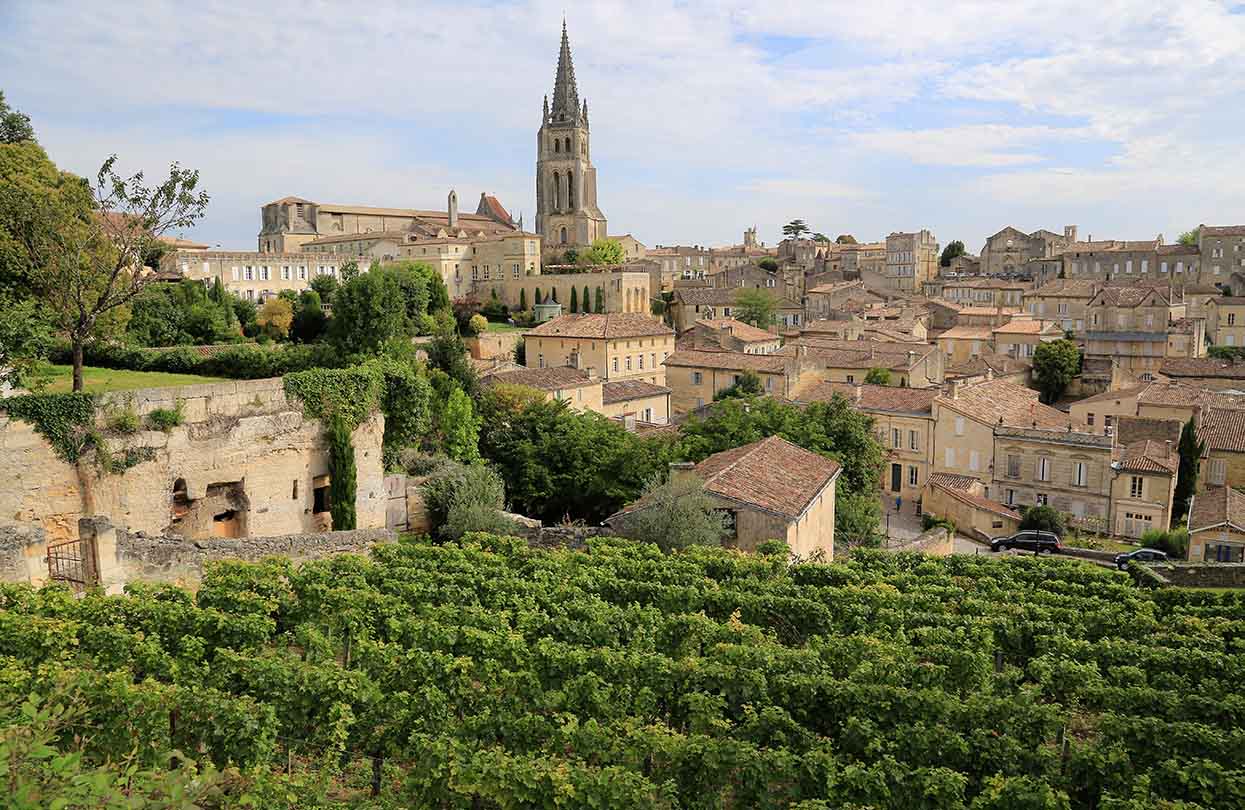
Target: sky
1124,118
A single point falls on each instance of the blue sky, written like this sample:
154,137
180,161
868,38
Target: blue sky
1125,118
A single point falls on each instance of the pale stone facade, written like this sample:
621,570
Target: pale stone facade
250,275
911,260
1066,470
246,462
1144,260
1006,252
621,291
1225,321
614,346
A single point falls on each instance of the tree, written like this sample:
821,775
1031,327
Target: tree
14,126
571,256
857,521
522,300
25,339
1054,366
795,228
553,295
845,239
460,427
448,353
603,251
599,307
520,352
325,287
674,514
748,385
309,318
478,324
368,311
465,498
878,376
586,301
953,249
343,475
1191,450
1190,237
820,237
412,281
755,306
349,270
536,299
768,264
1043,518
574,300
276,316
94,262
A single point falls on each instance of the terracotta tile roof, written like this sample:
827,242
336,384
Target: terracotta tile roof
979,310
1215,507
959,483
1227,301
1114,396
968,333
624,390
744,331
771,474
1222,429
993,361
1150,456
1004,402
891,333
370,236
1223,230
976,501
1067,288
490,205
555,378
862,354
1111,245
835,287
1173,250
1027,326
887,398
177,243
728,361
1180,394
1209,367
607,326
987,283
285,200
1126,296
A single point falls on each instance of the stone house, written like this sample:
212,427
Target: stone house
990,366
1057,467
712,303
1225,321
245,462
911,365
1008,250
1223,461
1205,372
911,260
613,346
771,490
1142,260
962,343
903,422
1021,336
621,291
1144,487
1217,526
975,315
988,292
1223,250
249,275
1130,326
696,376
1101,412
786,283
1063,301
727,334
825,299
962,498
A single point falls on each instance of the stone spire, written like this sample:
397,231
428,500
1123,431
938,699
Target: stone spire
565,93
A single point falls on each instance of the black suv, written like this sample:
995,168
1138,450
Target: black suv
1029,540
1140,555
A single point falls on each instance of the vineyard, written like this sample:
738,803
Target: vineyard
486,674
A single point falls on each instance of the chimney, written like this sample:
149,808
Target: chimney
1069,232
911,358
680,470
453,209
955,389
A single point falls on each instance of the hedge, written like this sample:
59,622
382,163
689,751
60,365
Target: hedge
242,362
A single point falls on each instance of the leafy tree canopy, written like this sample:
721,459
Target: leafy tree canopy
756,306
674,514
603,251
1189,237
952,250
1043,518
748,385
14,126
1054,366
878,376
795,229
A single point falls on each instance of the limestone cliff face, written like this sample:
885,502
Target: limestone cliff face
245,462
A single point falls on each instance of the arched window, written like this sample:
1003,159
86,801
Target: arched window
568,146
564,236
570,190
557,145
557,192
583,148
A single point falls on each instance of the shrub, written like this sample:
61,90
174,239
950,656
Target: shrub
1043,518
343,475
166,419
674,514
930,520
477,325
463,498
123,420
1174,543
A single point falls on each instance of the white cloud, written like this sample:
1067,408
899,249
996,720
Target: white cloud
979,145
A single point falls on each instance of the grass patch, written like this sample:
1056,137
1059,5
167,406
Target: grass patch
504,327
102,380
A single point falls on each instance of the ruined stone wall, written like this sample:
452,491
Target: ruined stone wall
242,449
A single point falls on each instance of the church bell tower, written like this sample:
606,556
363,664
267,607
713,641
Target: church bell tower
566,182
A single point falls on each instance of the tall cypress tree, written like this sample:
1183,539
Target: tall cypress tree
1186,480
587,299
343,476
537,299
574,300
522,300
600,307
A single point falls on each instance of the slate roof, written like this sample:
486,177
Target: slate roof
626,390
1215,507
771,474
608,326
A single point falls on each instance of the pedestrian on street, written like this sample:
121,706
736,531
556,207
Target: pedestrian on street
898,503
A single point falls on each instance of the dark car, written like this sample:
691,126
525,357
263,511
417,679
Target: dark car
1038,542
1140,555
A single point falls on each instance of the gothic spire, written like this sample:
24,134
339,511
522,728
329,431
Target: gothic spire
565,93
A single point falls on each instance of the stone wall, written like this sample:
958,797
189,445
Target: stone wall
1199,575
244,462
936,540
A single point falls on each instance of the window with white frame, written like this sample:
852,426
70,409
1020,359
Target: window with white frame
950,457
248,273
912,476
974,460
697,377
896,438
236,273
1080,476
1136,486
1043,468
1218,470
959,425
912,440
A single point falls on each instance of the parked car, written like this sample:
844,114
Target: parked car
1140,555
1033,540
